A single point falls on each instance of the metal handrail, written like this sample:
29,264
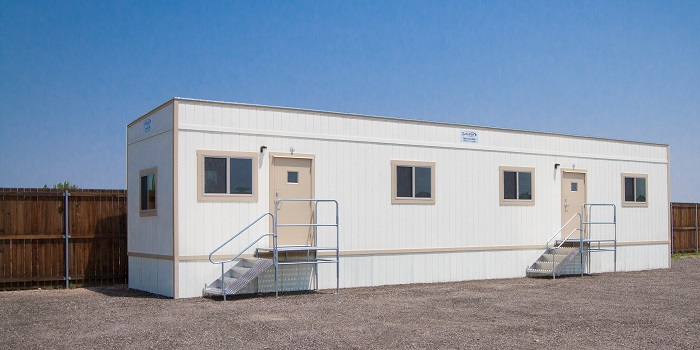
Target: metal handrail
564,240
315,225
274,235
590,224
562,228
238,234
567,237
222,262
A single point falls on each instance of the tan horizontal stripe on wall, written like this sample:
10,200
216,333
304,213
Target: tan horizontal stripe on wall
150,256
468,249
629,244
432,250
422,250
215,257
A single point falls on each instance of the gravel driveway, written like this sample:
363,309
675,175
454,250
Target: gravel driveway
650,309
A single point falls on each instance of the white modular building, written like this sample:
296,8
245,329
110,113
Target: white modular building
417,202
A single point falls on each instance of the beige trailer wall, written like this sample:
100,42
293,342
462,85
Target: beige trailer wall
466,234
150,238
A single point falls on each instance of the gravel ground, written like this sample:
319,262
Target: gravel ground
650,309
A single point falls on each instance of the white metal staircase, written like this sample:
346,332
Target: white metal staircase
569,256
239,276
248,270
554,262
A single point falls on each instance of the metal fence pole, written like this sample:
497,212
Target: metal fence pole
673,240
66,231
696,227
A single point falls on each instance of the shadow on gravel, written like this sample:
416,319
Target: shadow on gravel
562,276
122,291
268,295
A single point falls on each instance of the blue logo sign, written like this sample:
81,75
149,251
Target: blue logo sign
470,136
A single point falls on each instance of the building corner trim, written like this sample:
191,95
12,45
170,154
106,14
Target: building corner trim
176,252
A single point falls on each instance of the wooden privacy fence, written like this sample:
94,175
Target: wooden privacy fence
53,237
685,226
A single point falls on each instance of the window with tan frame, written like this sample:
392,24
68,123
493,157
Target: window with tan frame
224,176
148,179
412,182
516,185
634,190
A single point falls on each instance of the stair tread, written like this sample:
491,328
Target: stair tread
237,271
238,276
213,291
553,261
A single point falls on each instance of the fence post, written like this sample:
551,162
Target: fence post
673,240
696,228
66,232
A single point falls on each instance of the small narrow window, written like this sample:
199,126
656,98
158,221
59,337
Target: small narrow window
293,177
147,192
634,190
413,182
574,187
517,186
227,176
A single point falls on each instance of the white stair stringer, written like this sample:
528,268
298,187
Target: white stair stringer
553,262
239,276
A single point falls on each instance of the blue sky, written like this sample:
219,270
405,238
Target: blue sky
74,73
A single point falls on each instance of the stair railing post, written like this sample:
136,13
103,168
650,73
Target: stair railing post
66,235
275,257
580,232
615,239
337,250
223,291
315,245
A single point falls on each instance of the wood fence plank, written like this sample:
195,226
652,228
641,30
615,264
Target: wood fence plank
685,223
32,248
4,246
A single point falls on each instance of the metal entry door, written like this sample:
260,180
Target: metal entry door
573,196
293,178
